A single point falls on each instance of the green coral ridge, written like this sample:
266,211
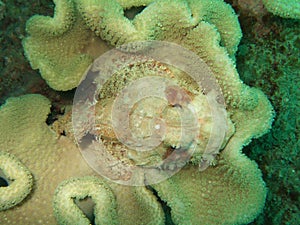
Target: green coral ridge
63,46
284,8
127,4
66,211
110,206
231,193
19,179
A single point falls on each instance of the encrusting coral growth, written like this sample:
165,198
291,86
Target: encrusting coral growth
278,151
81,188
61,160
229,192
19,181
52,160
62,47
25,134
285,9
246,191
226,194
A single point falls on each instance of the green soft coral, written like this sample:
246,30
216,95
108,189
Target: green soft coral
62,47
205,40
19,181
53,160
284,8
231,192
67,212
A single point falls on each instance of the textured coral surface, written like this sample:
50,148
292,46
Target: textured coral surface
268,58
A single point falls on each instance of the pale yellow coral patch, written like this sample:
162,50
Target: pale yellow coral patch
230,193
61,47
51,160
19,181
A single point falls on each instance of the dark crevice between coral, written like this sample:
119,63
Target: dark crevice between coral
87,206
132,12
3,181
59,99
53,115
165,207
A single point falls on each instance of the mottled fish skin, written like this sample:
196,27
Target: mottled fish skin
177,96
